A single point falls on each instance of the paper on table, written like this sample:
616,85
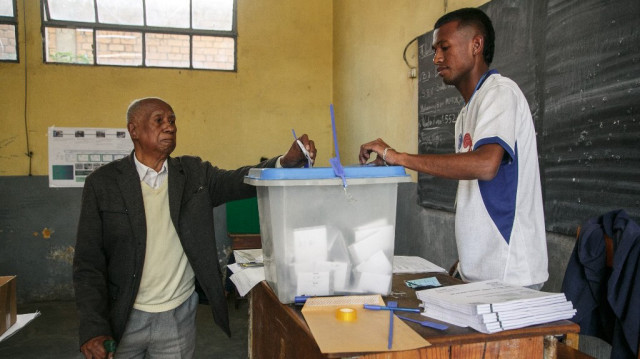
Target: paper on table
368,333
21,321
423,282
413,264
247,278
248,255
235,267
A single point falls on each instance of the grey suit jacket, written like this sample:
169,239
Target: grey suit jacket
111,239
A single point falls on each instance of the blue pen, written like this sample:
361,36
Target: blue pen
304,150
426,323
382,307
392,306
301,299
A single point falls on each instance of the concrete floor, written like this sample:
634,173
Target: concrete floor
54,334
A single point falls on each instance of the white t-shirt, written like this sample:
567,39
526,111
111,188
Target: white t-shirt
499,224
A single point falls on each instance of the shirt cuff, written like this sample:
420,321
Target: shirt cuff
278,165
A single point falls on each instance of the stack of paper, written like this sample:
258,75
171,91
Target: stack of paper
493,306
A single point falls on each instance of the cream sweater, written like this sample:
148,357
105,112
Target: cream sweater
167,277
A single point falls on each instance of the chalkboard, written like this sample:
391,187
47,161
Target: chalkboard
578,64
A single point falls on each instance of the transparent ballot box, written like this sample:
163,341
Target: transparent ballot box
320,238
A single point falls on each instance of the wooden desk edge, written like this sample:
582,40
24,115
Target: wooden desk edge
245,241
554,328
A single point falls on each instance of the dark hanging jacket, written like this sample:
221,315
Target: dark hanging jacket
607,299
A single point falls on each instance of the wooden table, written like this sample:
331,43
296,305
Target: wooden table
279,330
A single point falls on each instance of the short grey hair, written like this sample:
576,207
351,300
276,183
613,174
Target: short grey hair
135,105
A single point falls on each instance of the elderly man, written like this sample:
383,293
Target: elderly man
146,235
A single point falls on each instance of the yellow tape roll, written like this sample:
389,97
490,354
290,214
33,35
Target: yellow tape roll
346,314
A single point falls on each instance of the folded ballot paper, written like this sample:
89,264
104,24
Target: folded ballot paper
372,253
327,261
493,306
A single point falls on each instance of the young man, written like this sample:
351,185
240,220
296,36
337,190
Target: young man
146,235
499,217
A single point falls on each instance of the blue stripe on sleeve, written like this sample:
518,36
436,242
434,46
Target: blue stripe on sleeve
499,194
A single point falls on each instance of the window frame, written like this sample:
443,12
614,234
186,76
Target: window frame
143,30
13,20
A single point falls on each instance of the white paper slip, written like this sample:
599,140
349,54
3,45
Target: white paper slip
374,283
377,263
314,283
372,240
246,279
248,255
310,244
366,230
414,264
235,267
21,321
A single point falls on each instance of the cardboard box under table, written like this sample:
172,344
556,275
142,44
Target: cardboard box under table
7,302
320,238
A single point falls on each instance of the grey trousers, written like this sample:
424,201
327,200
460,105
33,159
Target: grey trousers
164,335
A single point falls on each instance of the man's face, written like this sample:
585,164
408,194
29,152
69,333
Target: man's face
154,129
453,48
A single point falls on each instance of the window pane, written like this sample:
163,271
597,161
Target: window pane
69,45
72,10
124,12
129,20
8,42
213,14
174,13
119,48
213,52
167,50
6,7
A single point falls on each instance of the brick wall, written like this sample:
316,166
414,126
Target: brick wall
125,48
8,49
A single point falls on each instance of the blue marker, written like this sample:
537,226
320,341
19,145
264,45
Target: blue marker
426,323
382,307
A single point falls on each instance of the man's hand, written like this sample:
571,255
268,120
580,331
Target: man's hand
295,157
378,147
94,348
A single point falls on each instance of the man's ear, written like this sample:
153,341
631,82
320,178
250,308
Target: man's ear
131,126
478,44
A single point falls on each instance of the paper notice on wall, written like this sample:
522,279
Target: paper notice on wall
75,152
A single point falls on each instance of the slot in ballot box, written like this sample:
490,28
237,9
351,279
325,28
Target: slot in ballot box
320,238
